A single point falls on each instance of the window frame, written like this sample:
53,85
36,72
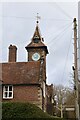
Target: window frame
7,91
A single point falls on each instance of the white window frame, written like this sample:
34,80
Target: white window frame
7,91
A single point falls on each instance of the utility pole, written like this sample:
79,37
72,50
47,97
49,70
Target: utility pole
76,69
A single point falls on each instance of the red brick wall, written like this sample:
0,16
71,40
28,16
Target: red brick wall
24,94
12,53
32,51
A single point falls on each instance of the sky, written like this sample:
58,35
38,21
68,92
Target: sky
56,26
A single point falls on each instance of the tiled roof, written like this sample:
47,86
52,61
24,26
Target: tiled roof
32,44
37,32
20,72
40,43
37,45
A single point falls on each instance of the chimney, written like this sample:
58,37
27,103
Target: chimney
12,53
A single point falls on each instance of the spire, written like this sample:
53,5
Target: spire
37,40
37,34
38,17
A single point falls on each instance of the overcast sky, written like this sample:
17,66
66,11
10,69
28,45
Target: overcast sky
56,26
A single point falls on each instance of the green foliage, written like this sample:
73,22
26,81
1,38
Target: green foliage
23,111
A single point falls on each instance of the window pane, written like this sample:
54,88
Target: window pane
6,94
6,88
10,88
10,94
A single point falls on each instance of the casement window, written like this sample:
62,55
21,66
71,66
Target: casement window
8,92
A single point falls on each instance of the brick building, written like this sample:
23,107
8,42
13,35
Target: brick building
50,100
26,81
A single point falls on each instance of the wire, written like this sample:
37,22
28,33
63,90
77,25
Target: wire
60,37
56,37
62,28
63,11
25,41
66,57
60,34
16,17
51,19
19,17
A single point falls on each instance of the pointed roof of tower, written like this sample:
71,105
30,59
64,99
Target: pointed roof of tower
37,40
37,33
37,30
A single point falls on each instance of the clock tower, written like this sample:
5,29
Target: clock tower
36,48
37,51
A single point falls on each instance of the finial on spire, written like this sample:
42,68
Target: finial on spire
38,17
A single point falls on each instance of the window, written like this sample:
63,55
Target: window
8,92
36,39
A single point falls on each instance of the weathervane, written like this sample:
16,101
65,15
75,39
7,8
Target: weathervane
38,17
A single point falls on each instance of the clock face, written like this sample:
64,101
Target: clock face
36,56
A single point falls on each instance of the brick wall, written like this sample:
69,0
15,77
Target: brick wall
24,94
32,51
32,94
12,53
